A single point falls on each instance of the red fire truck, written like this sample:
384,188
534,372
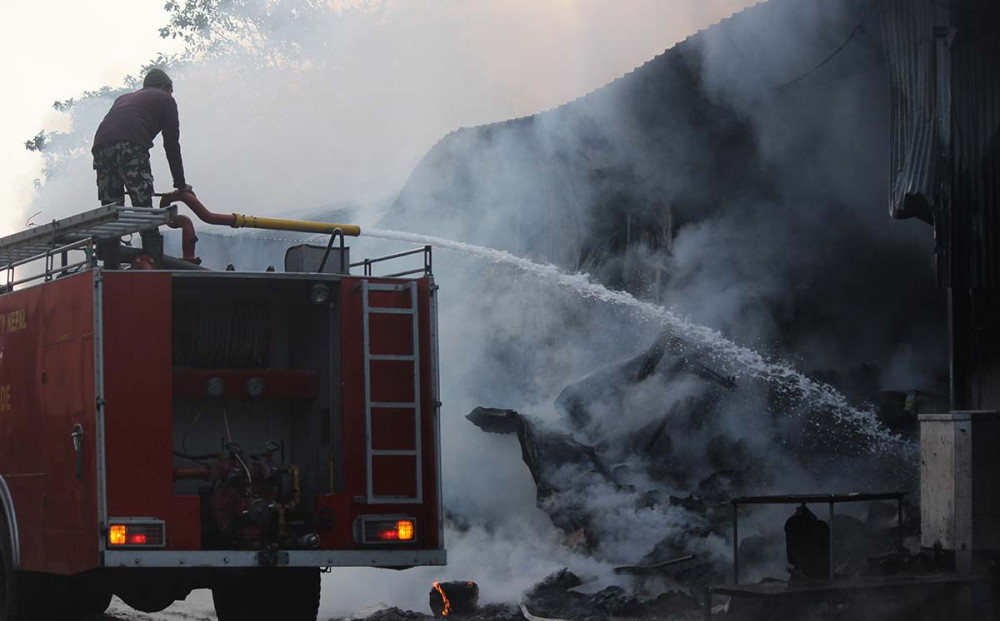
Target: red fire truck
165,427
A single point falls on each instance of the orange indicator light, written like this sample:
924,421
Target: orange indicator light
404,530
389,530
116,535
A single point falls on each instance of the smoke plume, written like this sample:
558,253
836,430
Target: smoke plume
702,181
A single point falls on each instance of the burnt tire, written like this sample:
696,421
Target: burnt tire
290,594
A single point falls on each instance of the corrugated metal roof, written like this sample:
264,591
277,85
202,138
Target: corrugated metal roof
908,32
943,62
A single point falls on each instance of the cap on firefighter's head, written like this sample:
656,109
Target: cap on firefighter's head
158,78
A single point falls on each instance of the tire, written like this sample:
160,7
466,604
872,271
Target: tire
10,588
95,602
268,594
146,599
298,594
31,596
55,597
229,602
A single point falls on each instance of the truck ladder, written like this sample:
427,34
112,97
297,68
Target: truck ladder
109,222
401,409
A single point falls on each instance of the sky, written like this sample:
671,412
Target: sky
52,50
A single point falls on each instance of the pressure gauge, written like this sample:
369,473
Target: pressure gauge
215,387
319,294
255,387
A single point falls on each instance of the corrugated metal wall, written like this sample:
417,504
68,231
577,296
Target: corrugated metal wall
908,33
944,67
974,232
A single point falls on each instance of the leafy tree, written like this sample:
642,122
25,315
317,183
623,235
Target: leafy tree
266,31
273,34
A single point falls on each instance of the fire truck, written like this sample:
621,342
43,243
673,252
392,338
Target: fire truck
166,427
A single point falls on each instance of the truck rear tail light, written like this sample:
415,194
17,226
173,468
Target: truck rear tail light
137,534
405,530
383,530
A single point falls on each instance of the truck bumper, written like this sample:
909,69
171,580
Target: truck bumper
282,558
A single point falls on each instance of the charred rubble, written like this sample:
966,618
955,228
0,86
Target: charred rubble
683,458
554,597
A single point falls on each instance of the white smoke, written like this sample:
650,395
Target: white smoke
374,88
346,127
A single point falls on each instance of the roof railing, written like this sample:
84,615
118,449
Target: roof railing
51,269
426,270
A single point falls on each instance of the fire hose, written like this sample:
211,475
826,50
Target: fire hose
238,221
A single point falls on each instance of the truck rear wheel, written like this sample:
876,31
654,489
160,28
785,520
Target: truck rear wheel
11,583
95,602
17,590
145,599
265,594
8,575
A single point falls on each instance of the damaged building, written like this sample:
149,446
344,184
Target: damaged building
769,129
728,180
741,178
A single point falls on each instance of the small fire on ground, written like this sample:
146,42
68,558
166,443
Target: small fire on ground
454,598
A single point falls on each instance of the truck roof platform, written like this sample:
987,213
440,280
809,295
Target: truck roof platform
107,222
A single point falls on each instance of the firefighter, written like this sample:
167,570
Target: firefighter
125,136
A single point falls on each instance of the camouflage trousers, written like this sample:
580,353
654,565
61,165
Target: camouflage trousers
123,166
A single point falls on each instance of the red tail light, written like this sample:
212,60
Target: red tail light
401,530
379,529
137,533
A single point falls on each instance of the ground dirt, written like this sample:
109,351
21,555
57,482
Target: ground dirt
197,607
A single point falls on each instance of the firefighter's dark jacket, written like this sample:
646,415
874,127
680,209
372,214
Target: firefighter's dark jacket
138,117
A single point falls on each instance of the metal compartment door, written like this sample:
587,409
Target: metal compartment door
68,430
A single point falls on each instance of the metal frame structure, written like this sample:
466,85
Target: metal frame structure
109,222
99,424
778,595
49,255
426,270
805,499
436,383
216,559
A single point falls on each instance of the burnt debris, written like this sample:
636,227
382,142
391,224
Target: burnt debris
658,437
454,599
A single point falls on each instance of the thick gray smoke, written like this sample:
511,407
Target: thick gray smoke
711,180
370,87
693,182
739,179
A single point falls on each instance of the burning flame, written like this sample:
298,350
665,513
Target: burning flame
444,598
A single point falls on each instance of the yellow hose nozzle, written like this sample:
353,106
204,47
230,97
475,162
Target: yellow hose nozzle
300,226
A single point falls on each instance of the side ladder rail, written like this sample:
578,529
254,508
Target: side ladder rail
50,270
413,358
